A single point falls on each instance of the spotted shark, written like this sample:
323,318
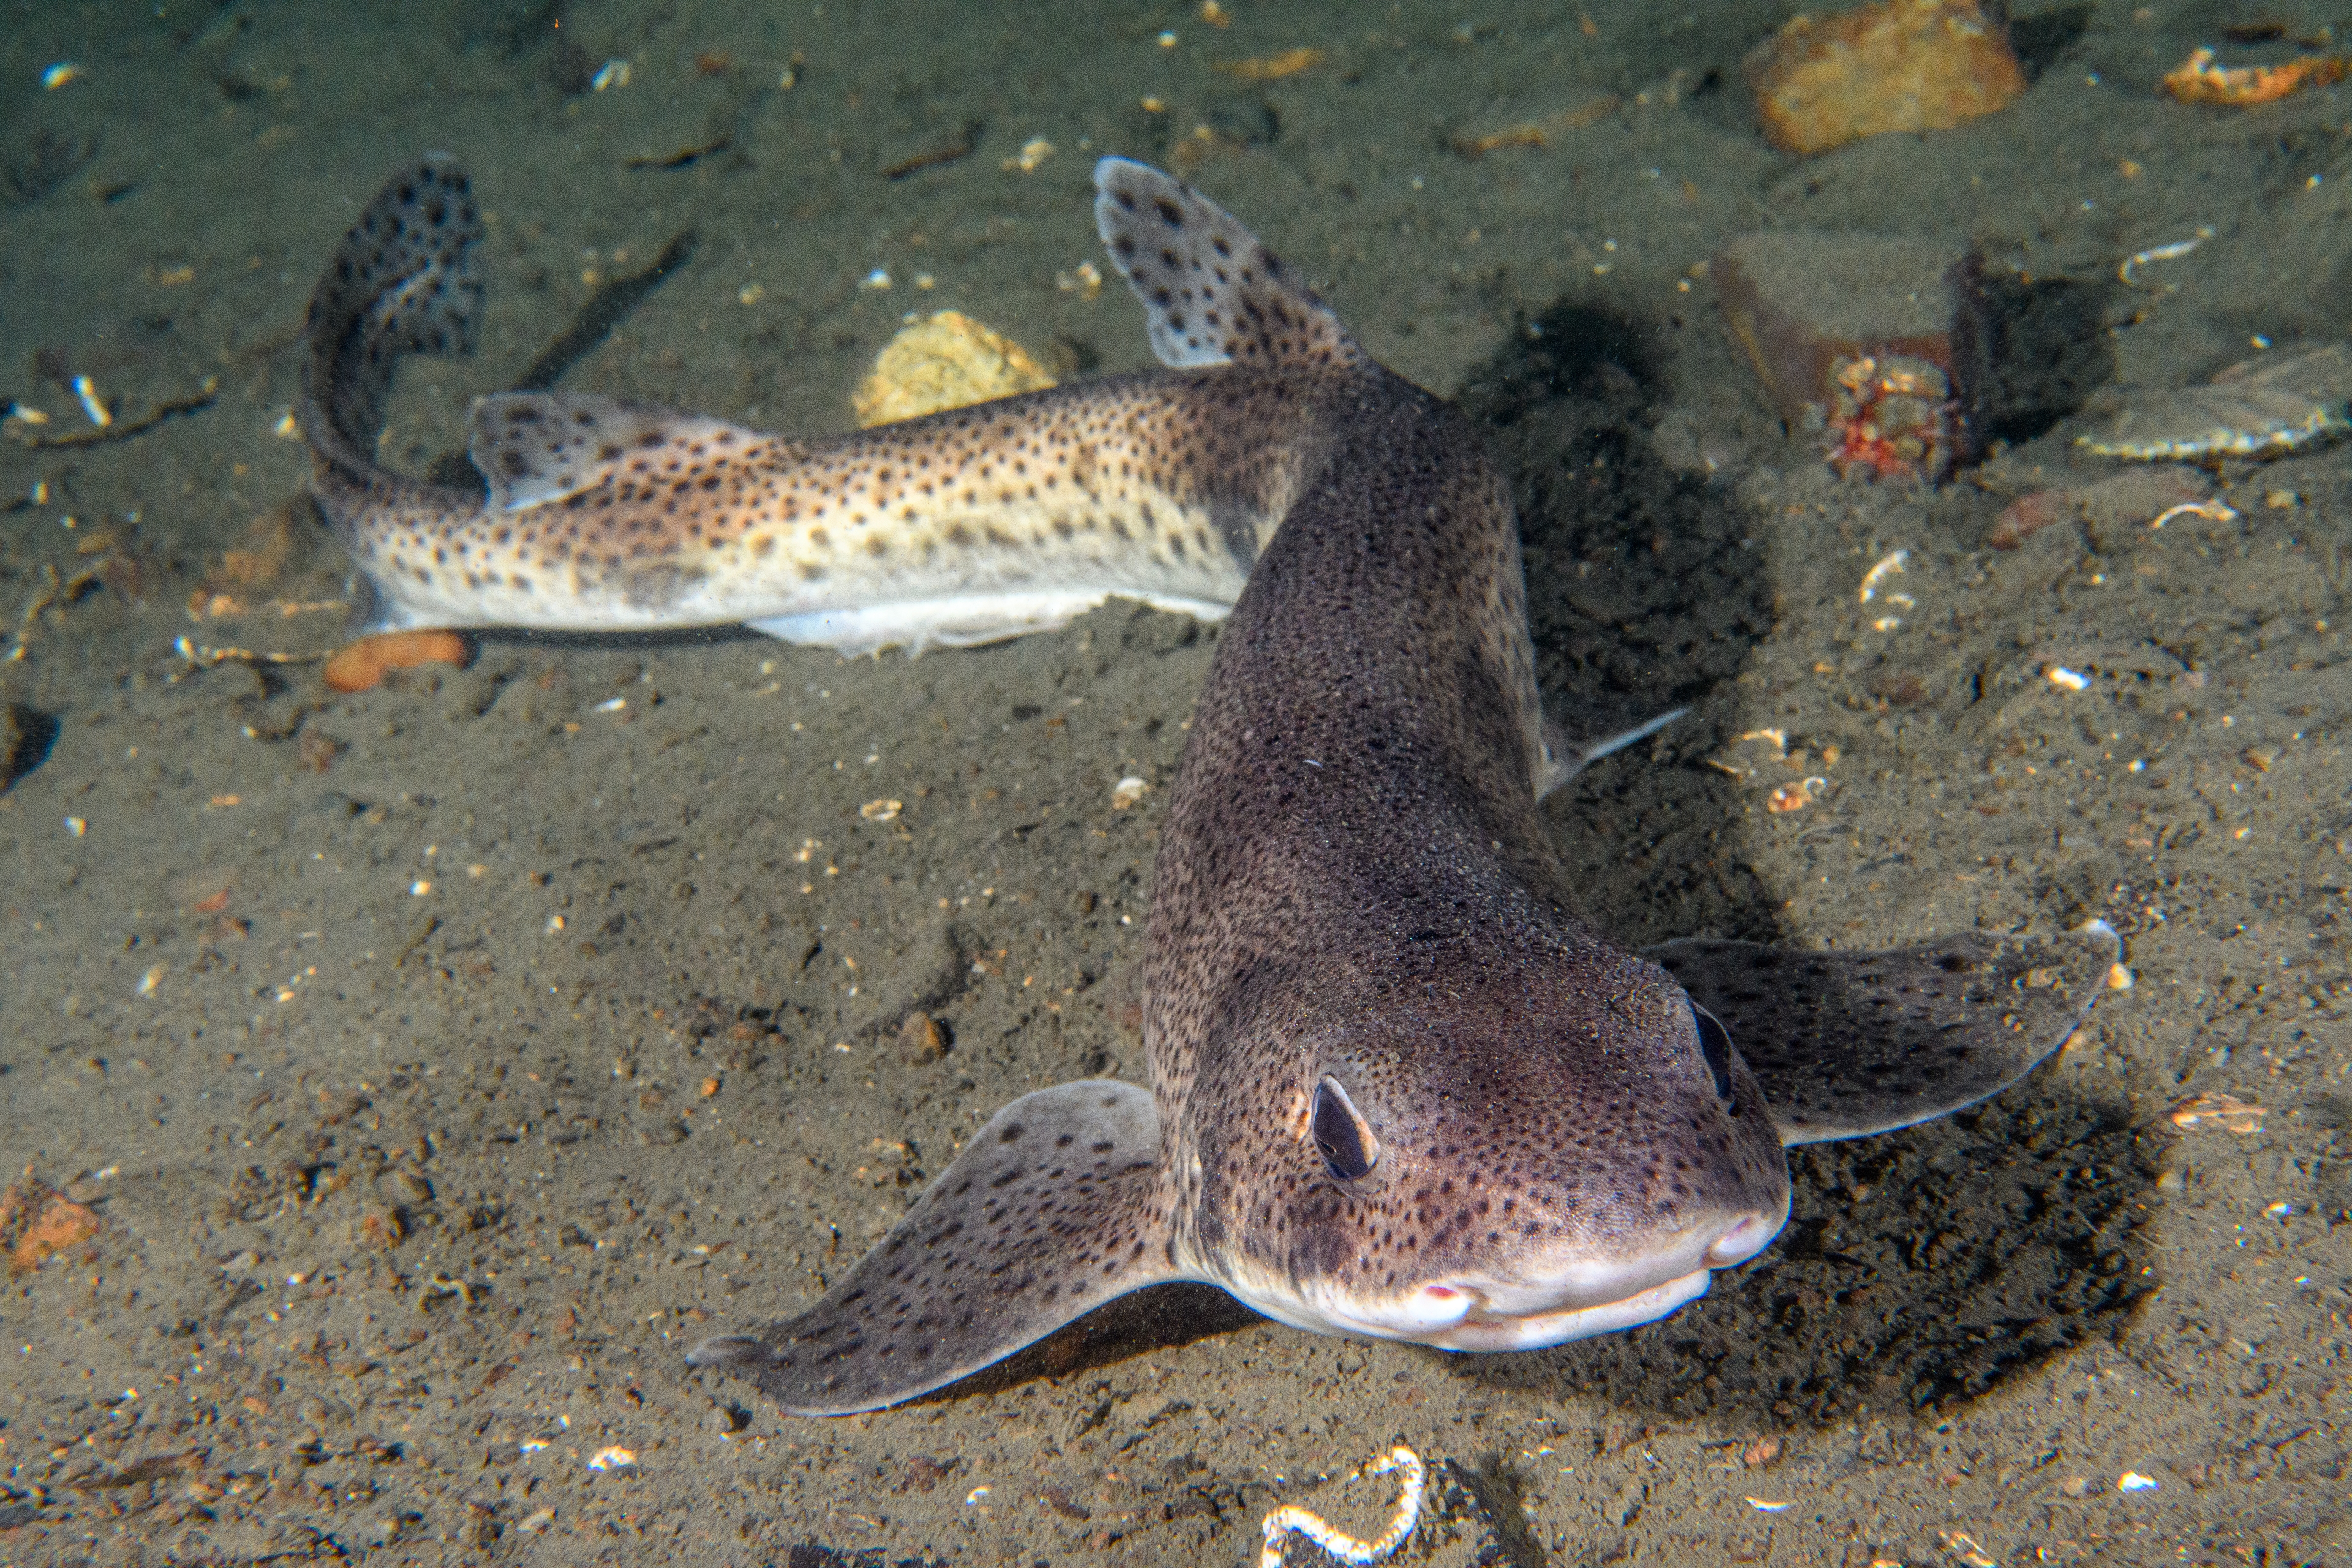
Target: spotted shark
1403,1086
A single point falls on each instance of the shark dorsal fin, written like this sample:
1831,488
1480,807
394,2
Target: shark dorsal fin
1214,294
537,447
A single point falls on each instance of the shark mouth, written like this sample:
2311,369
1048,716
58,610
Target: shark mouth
1573,1304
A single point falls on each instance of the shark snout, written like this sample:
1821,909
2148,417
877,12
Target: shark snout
1544,1302
1594,1297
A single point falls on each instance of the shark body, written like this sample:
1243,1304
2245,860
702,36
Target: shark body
1402,1086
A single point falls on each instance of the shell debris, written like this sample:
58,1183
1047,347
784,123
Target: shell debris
1270,68
1963,1546
1340,1545
2198,79
2226,1112
1034,152
92,406
2259,410
2178,248
1127,792
1889,565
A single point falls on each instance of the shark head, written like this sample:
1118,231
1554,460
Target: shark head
1525,1165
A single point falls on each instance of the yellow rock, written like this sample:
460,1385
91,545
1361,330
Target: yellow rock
1902,65
945,362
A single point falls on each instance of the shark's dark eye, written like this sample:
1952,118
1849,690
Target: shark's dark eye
1346,1145
1715,1045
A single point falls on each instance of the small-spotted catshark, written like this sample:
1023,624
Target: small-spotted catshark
1401,1086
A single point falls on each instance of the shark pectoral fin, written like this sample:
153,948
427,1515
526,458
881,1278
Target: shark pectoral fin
1056,1207
1212,293
1847,1044
538,446
1563,758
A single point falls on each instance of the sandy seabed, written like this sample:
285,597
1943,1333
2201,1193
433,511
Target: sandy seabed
441,1061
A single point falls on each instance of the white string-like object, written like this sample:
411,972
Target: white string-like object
1346,1548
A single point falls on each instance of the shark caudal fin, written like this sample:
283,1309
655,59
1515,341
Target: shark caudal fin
1054,1207
403,281
1212,293
1847,1044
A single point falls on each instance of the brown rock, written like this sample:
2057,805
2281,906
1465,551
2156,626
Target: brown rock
920,1039
1797,300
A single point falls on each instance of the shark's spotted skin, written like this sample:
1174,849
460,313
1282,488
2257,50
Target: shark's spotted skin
599,515
1400,1086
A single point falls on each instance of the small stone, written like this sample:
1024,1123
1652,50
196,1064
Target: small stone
400,1188
921,1041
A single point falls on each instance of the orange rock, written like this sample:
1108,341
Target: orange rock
59,1225
1905,64
359,666
36,1220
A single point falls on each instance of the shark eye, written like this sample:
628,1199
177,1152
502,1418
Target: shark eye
1346,1145
1715,1045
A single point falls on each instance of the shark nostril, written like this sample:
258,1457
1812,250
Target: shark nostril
1741,1242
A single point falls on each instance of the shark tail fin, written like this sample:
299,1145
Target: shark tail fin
403,281
1214,294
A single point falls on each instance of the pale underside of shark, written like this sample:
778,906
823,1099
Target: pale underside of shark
1401,1087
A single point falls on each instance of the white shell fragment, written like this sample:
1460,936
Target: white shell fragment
2264,408
1338,1544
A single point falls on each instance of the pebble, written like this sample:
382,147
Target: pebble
920,1039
